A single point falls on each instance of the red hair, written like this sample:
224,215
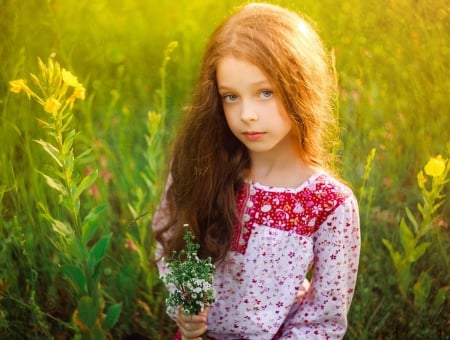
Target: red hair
208,161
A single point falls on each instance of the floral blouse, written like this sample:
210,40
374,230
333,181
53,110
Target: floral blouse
283,235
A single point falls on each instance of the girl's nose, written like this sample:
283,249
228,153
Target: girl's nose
248,112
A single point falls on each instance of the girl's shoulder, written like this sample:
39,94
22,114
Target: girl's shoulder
325,182
318,184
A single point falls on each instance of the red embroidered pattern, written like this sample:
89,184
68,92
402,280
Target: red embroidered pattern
301,211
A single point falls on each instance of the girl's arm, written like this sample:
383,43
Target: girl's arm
160,219
323,312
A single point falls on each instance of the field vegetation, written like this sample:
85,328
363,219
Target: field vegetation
86,134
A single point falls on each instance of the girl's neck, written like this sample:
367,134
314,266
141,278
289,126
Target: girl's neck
279,172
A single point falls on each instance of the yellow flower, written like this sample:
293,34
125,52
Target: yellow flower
435,166
79,92
52,105
19,85
421,180
70,79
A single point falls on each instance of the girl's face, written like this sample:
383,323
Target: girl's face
253,110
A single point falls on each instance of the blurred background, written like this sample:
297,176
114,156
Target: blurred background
139,60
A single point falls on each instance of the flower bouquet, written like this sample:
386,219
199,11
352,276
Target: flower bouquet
189,278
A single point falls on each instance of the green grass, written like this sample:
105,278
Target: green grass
392,59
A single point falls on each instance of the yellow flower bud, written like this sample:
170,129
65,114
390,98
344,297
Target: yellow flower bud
19,85
35,79
435,166
421,180
52,105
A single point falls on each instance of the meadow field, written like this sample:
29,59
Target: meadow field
79,182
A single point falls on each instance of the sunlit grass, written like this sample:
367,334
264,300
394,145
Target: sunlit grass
393,73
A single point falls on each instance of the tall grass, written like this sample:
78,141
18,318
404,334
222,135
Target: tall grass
393,73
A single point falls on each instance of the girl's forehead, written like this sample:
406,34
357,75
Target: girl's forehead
233,62
232,68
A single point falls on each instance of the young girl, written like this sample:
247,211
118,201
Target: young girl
250,174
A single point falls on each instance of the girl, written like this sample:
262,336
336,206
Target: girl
250,174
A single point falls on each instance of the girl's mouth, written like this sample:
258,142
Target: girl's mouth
253,136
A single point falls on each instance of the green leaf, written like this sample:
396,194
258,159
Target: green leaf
412,219
418,251
58,227
440,298
88,230
78,250
395,255
51,150
421,290
67,120
407,238
112,315
96,273
98,252
404,278
87,311
76,277
90,225
86,182
68,141
95,212
133,211
55,184
435,207
84,154
61,228
421,209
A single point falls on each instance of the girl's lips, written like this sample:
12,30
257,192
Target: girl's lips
253,136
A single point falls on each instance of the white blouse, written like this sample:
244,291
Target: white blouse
284,234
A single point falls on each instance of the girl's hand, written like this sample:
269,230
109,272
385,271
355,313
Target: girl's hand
192,327
302,291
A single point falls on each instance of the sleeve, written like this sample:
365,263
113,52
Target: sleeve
160,219
323,312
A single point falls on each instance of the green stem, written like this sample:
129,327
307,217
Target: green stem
67,173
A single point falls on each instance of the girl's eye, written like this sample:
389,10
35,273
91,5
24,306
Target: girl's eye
230,98
266,94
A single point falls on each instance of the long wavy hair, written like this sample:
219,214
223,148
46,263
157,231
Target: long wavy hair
208,160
